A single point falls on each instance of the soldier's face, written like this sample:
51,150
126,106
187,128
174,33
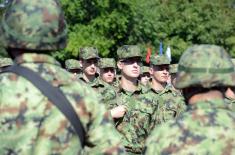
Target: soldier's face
107,74
90,66
160,73
144,79
130,67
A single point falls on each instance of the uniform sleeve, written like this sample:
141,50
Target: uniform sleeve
101,136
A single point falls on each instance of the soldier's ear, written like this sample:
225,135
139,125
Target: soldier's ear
119,65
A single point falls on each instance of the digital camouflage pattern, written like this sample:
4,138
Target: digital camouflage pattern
31,124
171,104
206,128
139,119
128,51
107,63
88,53
231,103
33,25
159,60
173,68
144,69
205,123
214,68
4,62
72,64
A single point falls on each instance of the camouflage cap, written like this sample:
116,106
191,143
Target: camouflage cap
72,64
5,62
173,68
144,69
159,60
33,25
89,53
107,63
128,51
205,65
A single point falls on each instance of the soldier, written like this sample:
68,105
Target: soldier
89,60
173,70
144,77
230,95
73,66
5,62
204,73
107,70
29,122
173,103
135,120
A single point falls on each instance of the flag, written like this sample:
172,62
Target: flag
149,50
168,53
160,49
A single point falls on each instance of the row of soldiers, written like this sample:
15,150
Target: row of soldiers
124,118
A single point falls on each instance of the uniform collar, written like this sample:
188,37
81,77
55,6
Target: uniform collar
139,90
36,58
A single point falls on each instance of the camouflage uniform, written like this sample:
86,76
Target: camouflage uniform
73,66
4,62
30,123
106,91
85,54
172,103
207,127
137,123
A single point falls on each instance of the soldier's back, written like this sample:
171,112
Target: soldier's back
31,124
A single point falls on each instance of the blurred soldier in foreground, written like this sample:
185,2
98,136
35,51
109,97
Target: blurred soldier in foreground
230,94
144,76
205,71
30,123
135,108
73,66
173,103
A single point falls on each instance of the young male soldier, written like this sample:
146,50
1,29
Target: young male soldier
137,120
144,77
73,66
89,60
173,103
107,68
29,122
207,127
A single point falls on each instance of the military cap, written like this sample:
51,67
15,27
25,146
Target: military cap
72,64
27,24
173,68
5,62
159,60
128,51
89,53
205,65
144,69
107,63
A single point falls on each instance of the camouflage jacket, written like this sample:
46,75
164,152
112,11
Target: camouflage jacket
138,121
231,103
205,128
171,104
31,124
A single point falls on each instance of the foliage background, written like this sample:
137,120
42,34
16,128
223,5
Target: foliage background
108,24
